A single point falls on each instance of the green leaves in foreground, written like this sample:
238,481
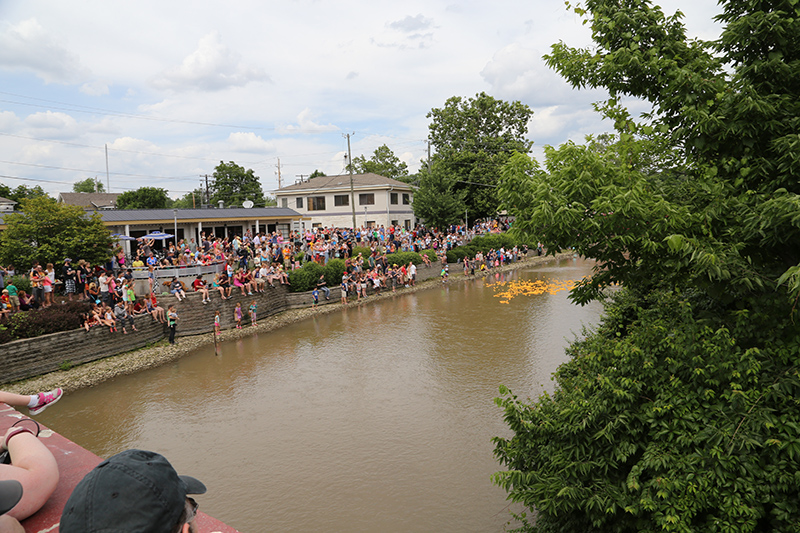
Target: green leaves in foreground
662,423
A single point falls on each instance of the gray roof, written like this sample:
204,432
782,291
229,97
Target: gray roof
89,200
342,181
119,216
6,201
226,213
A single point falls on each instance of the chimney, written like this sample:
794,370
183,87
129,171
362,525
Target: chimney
221,204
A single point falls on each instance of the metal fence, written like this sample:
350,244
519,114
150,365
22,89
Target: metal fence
179,271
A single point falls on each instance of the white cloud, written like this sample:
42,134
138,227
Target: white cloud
249,142
212,67
305,124
9,121
28,46
52,125
411,24
95,88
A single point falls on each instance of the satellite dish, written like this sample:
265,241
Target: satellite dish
247,204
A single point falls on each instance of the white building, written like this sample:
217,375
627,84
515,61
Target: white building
326,201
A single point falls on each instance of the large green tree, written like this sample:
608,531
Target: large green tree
48,232
382,162
473,139
144,198
88,185
680,413
233,185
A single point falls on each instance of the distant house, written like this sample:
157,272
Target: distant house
90,201
325,201
6,205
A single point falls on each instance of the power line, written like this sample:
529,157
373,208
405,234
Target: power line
89,171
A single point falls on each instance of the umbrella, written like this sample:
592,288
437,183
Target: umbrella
123,237
158,236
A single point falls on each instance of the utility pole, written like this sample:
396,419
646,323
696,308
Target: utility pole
279,173
301,176
208,195
108,179
352,192
429,155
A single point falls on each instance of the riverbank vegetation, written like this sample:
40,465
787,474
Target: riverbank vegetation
681,411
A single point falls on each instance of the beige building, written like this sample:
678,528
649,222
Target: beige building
326,201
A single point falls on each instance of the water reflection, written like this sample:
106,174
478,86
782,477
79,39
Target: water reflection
373,418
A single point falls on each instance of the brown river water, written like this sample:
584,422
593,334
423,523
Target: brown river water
372,419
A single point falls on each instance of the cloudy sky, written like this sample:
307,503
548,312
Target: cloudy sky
173,88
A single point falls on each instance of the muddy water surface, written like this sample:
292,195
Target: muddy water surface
372,419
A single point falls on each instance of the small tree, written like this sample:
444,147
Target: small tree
144,198
48,232
438,201
382,162
88,185
233,185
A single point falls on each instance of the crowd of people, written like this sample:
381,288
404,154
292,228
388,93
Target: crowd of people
247,264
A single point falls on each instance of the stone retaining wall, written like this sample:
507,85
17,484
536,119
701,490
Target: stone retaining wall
26,358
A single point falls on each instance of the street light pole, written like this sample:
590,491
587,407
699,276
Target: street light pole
175,213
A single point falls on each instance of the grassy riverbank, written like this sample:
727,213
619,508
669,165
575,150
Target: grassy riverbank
96,372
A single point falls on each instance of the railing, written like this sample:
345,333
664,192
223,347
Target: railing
179,271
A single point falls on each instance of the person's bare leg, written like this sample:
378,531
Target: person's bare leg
34,466
9,524
17,400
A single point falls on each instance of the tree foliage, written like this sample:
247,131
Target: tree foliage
48,232
88,185
316,174
382,162
680,412
21,192
144,198
191,200
473,139
438,201
233,185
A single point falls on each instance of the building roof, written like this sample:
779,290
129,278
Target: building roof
89,200
118,216
7,201
342,182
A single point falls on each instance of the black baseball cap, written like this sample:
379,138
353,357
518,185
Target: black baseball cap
10,494
135,490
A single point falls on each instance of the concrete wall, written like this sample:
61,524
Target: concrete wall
32,357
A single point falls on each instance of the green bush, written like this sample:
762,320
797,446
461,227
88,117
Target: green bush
305,278
402,258
21,282
29,324
364,251
333,272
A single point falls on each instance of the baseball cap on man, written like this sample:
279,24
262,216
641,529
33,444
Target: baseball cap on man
135,490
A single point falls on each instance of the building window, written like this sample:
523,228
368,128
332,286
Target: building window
366,199
284,202
394,222
316,203
406,199
407,224
340,200
393,198
300,202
